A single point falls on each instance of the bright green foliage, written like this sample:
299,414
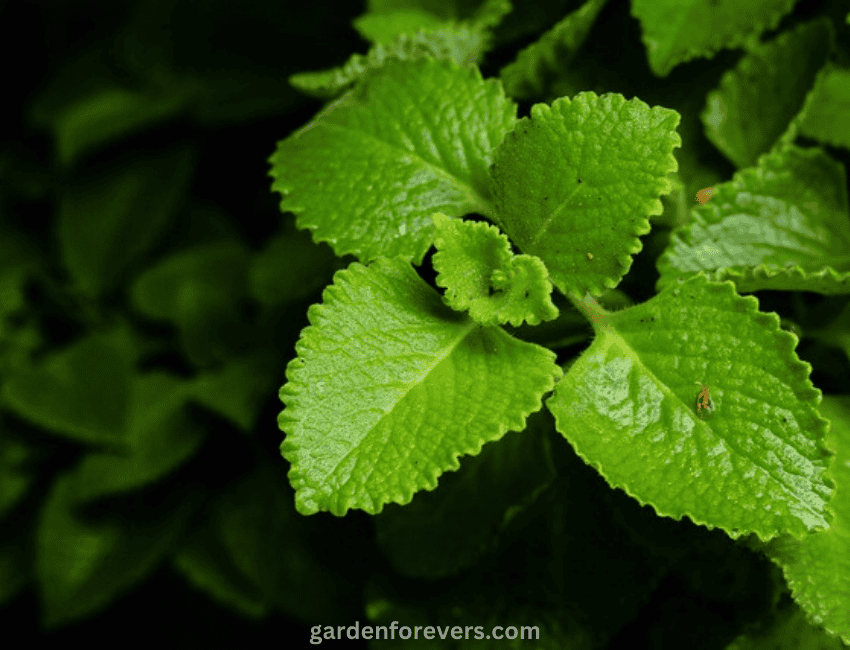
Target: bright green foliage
385,369
630,408
675,31
755,101
526,77
818,567
827,114
110,223
483,277
781,225
383,28
576,182
369,171
408,33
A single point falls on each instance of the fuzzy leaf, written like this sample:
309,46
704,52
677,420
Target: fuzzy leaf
782,225
390,387
367,174
576,182
675,31
759,98
745,453
551,54
480,274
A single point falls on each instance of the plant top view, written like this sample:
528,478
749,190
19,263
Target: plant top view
420,323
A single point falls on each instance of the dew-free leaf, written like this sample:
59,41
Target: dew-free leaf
675,31
576,182
784,225
391,386
414,138
757,101
753,462
481,275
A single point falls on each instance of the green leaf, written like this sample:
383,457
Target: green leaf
827,115
109,222
390,387
442,532
384,27
15,477
290,268
755,102
161,437
82,565
576,182
675,31
782,225
480,274
112,113
551,54
458,43
203,291
367,174
790,629
817,567
208,564
269,543
237,391
742,451
82,392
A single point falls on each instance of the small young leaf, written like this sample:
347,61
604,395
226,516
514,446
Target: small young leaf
782,225
367,174
480,274
581,177
390,387
629,407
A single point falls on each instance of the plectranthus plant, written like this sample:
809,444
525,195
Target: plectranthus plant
693,402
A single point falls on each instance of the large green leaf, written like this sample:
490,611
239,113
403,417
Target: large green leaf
576,182
390,387
368,172
757,101
782,225
695,402
675,31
